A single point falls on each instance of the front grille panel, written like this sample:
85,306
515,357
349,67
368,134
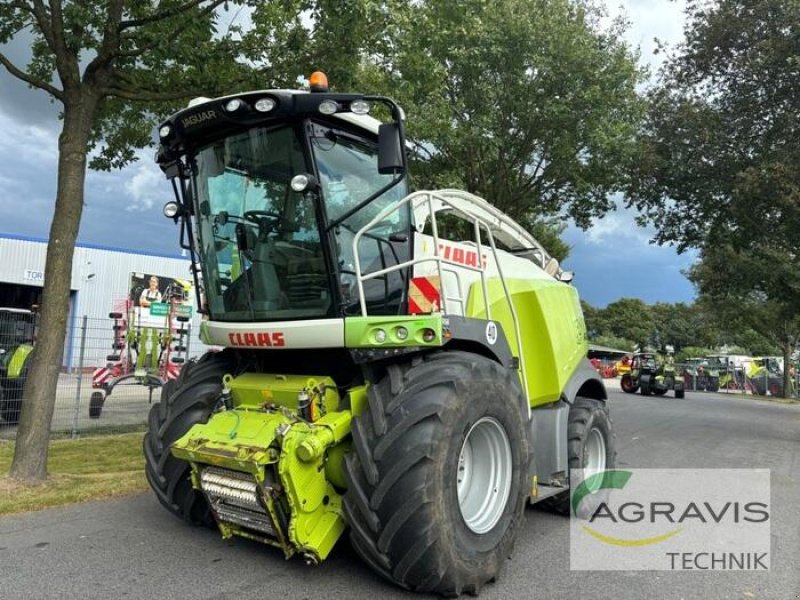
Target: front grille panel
233,496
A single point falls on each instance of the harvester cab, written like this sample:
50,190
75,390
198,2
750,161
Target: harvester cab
402,365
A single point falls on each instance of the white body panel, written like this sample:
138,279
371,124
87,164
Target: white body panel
280,335
457,280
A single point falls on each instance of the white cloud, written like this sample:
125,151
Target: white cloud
650,19
25,143
145,185
617,226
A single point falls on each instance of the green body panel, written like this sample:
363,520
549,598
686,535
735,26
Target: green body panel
294,462
359,332
17,361
551,326
255,390
240,440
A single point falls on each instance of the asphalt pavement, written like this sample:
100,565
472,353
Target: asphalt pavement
132,548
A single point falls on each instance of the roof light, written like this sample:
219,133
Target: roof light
359,107
264,105
164,131
328,107
318,82
198,100
233,105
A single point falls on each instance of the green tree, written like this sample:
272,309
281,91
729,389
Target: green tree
719,156
682,325
763,308
109,65
627,318
530,104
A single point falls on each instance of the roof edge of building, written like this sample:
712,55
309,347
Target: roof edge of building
92,246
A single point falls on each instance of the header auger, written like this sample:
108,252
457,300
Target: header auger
414,388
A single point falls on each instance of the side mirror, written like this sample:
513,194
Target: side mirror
390,149
566,276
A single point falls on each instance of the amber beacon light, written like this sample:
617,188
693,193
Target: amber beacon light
318,82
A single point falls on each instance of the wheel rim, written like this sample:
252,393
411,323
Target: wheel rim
484,475
594,457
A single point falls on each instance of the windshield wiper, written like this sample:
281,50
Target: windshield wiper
242,245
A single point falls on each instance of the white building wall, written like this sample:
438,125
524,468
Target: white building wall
100,275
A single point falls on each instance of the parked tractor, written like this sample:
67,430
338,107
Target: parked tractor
764,375
376,377
17,336
702,374
650,378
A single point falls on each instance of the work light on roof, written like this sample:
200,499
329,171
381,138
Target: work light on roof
328,107
233,105
359,107
264,104
165,131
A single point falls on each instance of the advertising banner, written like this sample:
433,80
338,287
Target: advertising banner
155,297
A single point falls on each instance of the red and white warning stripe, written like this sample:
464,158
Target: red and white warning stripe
423,295
100,376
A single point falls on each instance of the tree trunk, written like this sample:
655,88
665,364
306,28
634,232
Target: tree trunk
787,348
30,452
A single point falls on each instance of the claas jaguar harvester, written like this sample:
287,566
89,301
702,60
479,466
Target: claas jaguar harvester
378,377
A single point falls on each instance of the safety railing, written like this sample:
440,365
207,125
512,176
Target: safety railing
483,217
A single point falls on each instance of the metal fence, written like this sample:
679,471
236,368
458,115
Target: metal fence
720,378
110,376
732,379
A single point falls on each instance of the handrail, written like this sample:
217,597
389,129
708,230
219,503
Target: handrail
472,209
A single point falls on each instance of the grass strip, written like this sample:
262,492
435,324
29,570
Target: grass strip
79,470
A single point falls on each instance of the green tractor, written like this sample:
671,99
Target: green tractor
650,378
376,378
765,376
17,334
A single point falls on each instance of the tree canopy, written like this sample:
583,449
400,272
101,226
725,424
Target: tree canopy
719,156
531,104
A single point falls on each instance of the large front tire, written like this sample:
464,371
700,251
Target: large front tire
185,401
437,479
628,385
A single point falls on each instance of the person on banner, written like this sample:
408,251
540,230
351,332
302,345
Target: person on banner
148,296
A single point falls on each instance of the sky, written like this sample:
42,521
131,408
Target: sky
611,260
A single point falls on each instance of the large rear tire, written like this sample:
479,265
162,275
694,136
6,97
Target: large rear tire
10,407
11,397
185,401
437,476
591,444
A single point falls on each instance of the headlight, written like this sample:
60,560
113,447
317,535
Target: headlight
171,209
